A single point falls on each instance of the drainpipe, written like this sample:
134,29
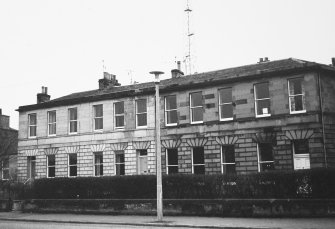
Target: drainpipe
322,120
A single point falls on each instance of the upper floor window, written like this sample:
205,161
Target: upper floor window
265,157
73,120
170,110
32,120
262,100
228,159
51,123
98,117
196,108
141,113
296,95
5,168
119,115
226,104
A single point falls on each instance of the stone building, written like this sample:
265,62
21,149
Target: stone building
8,149
272,115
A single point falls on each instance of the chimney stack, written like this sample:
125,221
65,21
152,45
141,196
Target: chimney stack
109,80
176,73
260,60
43,97
333,61
0,111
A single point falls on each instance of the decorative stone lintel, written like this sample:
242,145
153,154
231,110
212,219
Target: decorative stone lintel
171,143
141,144
98,148
51,151
196,142
119,146
299,134
265,138
227,140
72,149
31,152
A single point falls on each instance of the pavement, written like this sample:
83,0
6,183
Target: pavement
174,221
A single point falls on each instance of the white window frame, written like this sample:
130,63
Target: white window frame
166,111
138,162
290,96
191,108
51,166
198,164
119,115
52,123
30,161
73,120
263,162
146,113
95,164
226,163
220,104
74,165
5,168
167,161
119,163
98,117
255,96
300,156
30,125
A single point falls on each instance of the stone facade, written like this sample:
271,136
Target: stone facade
244,131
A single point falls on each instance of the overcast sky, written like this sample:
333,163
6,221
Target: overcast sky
61,44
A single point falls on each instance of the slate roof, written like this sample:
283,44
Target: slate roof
201,79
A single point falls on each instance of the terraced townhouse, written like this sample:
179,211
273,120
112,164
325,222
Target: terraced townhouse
272,115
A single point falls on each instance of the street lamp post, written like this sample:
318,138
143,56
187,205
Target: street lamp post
158,150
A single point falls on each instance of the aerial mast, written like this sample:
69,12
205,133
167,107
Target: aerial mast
188,61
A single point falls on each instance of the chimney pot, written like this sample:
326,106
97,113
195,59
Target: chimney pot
260,60
108,80
266,59
43,97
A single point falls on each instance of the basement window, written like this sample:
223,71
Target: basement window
265,157
5,168
51,160
119,163
98,164
228,159
171,161
198,160
72,166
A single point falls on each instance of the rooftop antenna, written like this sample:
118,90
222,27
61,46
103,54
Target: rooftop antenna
103,67
130,74
189,34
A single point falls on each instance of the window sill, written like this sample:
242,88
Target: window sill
298,112
51,135
141,127
73,133
98,131
263,116
33,137
198,122
174,124
226,119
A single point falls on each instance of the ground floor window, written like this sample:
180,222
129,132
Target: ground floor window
198,160
51,164
228,159
142,161
5,169
72,165
171,161
119,163
301,157
31,167
98,164
265,157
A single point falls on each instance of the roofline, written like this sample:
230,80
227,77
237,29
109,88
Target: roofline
175,87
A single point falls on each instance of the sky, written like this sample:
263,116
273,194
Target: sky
66,45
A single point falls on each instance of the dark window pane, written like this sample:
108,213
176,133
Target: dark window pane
228,154
73,127
98,123
51,160
141,105
226,95
262,90
119,108
267,166
98,158
32,130
263,107
296,86
172,169
196,99
72,159
142,152
198,155
52,129
265,153
229,169
172,156
5,174
301,147
171,116
73,113
51,172
171,102
5,163
119,158
120,169
73,171
119,121
226,111
297,103
52,116
99,170
32,119
199,169
98,111
142,119
197,114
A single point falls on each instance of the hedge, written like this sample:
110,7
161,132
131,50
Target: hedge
315,183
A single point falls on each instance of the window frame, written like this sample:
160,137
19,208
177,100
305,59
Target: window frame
119,152
73,120
74,165
230,103
119,115
166,111
195,107
262,99
227,163
167,161
98,117
259,157
146,113
52,123
5,159
30,125
300,155
192,157
51,166
30,161
138,153
98,166
292,96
